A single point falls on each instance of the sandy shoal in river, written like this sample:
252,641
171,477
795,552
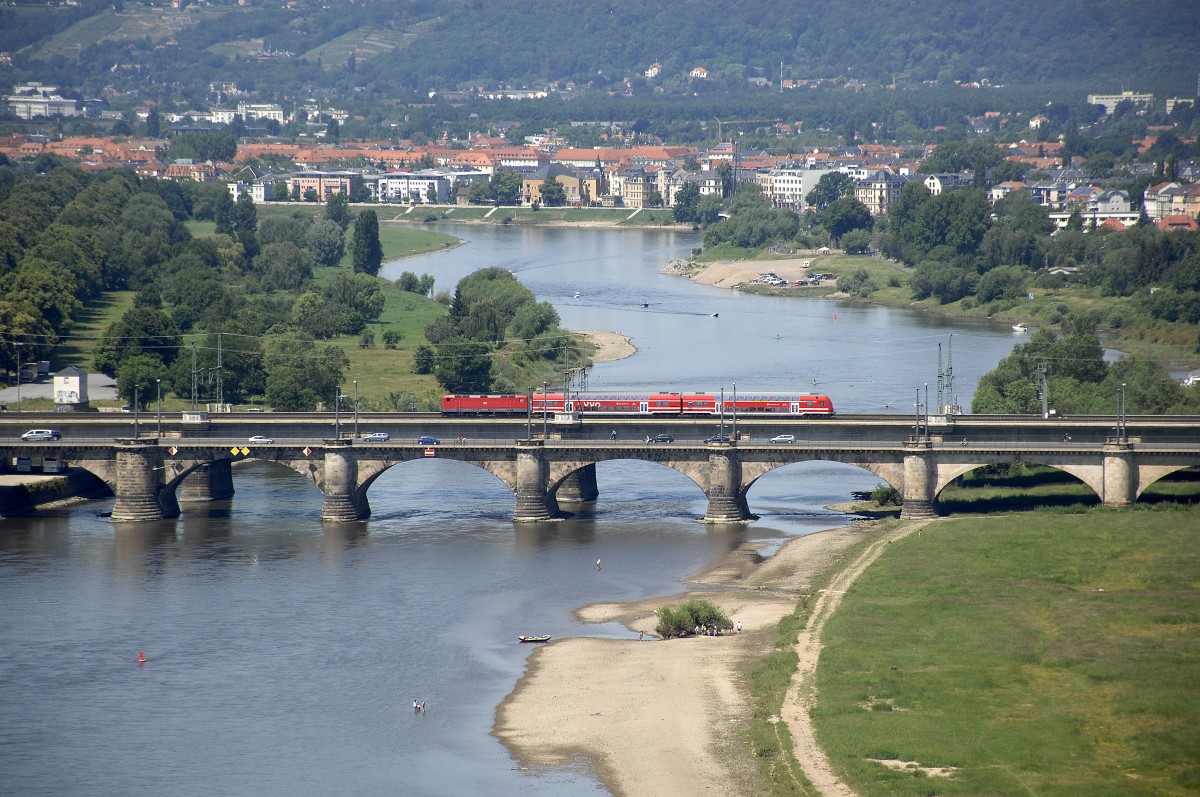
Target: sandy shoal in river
664,717
609,345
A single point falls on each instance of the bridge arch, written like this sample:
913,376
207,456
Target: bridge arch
1090,474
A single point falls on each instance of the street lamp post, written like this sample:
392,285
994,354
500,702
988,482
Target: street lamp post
1121,430
159,431
917,417
734,434
721,411
529,415
545,420
136,430
337,416
356,408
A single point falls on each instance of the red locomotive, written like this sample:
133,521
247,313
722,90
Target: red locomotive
782,405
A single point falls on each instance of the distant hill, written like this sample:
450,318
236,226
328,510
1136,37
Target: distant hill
415,46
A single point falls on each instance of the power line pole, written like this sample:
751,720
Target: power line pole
220,378
195,374
1043,390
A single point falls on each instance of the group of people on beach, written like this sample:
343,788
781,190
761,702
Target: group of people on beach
418,707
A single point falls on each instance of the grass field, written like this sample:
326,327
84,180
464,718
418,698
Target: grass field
1039,652
89,326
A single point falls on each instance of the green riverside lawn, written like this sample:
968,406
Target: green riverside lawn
1048,652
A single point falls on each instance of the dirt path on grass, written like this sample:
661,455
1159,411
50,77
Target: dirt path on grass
801,696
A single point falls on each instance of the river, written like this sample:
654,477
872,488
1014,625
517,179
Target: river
283,655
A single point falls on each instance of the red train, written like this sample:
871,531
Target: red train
784,405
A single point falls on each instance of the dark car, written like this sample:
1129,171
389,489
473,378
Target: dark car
427,440
717,438
661,438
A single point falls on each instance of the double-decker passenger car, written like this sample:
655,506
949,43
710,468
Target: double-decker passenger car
635,403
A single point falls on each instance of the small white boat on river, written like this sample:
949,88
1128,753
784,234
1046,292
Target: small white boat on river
1020,329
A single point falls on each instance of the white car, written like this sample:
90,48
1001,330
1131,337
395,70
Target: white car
784,438
260,440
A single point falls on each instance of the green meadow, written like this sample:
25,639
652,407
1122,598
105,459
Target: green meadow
1049,652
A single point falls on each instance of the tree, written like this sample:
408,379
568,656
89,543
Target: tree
153,123
684,619
830,188
464,366
423,360
141,371
552,193
316,315
365,249
392,338
686,200
846,214
337,209
140,331
856,242
708,210
506,187
359,293
301,375
285,265
22,323
326,239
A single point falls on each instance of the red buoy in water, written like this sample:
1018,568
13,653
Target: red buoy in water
141,657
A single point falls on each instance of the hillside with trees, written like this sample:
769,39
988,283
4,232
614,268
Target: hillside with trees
364,52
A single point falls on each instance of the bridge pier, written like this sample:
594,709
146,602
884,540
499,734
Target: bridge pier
726,498
579,487
534,502
918,481
210,482
343,503
1120,484
140,491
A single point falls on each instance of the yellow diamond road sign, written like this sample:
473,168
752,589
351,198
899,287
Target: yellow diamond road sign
234,451
245,451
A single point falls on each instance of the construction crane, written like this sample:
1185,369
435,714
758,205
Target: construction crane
741,122
896,77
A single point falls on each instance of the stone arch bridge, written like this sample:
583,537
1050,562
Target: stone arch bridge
149,477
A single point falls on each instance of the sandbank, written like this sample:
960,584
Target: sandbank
666,717
610,346
727,273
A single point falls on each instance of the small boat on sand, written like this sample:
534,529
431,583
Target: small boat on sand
1020,329
540,638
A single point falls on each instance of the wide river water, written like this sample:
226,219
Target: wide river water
283,655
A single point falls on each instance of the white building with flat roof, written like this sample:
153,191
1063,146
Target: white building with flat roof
1110,101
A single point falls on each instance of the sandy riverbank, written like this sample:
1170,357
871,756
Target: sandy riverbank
610,346
669,717
727,273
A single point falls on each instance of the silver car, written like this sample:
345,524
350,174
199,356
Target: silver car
784,438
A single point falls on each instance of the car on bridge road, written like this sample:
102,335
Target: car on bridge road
377,437
784,438
717,438
34,435
260,440
427,440
661,438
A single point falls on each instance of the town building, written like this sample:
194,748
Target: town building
33,99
